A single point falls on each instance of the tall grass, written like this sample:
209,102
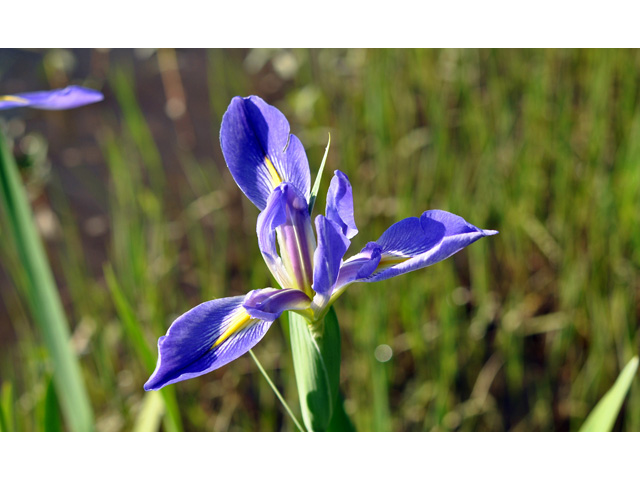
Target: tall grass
523,331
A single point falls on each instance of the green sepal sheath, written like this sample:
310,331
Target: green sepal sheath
340,421
316,361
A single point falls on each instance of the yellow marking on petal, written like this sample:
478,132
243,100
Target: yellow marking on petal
389,261
12,98
239,321
275,178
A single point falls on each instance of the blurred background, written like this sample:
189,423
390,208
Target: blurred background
142,221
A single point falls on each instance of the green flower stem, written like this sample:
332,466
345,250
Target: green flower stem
316,362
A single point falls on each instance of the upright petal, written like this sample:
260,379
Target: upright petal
69,97
274,215
259,150
216,332
327,259
286,217
340,204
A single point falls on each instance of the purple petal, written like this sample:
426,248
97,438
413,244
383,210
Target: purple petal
259,150
408,238
267,304
216,332
274,215
70,97
416,243
359,266
332,245
340,204
287,215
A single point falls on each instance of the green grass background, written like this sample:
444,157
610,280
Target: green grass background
142,221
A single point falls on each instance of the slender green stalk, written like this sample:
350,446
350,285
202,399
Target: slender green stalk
275,390
316,363
44,299
316,184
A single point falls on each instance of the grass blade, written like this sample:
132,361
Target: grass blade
127,316
6,408
52,421
150,415
135,335
603,416
44,300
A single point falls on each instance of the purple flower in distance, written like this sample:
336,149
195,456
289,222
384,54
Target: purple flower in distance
61,99
270,166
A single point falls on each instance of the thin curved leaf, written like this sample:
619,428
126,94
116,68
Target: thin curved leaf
316,184
603,416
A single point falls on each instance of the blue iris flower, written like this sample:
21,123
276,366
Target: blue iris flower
270,166
60,99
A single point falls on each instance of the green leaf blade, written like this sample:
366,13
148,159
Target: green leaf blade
52,421
135,335
43,297
603,416
150,416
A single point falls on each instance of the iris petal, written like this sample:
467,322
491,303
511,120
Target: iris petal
69,97
415,243
267,304
340,204
274,215
327,259
216,332
259,150
408,245
358,267
287,215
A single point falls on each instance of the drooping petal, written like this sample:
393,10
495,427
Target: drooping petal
340,204
286,217
216,332
259,150
358,267
327,259
415,243
408,245
408,238
63,98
